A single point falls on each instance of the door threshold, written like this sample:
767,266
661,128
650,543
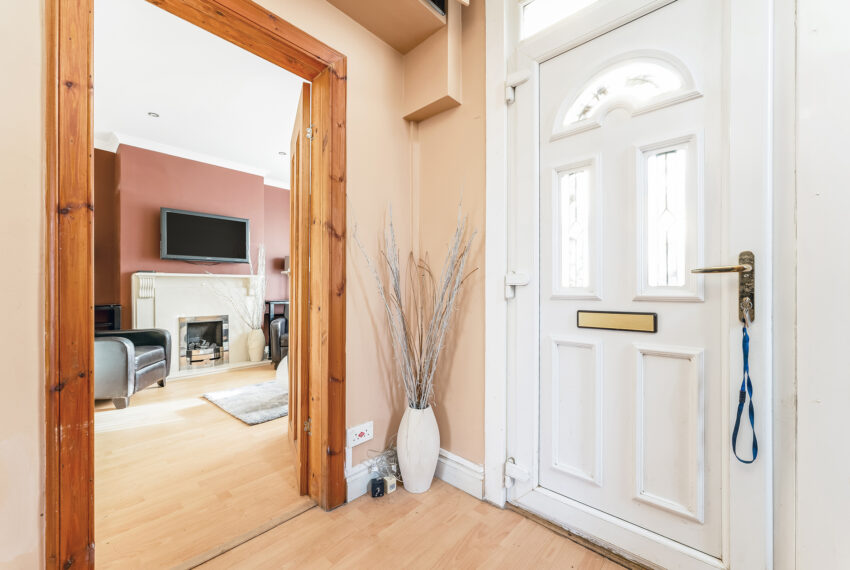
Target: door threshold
580,540
225,547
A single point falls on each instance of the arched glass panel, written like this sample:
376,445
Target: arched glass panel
634,82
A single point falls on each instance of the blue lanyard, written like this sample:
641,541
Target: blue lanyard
746,389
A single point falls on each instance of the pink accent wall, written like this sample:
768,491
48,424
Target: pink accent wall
147,181
277,241
106,249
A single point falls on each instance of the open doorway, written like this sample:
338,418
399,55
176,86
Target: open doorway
191,288
317,453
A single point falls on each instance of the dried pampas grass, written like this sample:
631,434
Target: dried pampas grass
419,322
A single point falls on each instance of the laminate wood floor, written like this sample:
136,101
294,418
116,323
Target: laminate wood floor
177,481
443,528
176,477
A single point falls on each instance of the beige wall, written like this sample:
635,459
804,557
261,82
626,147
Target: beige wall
451,164
378,174
21,346
432,70
450,161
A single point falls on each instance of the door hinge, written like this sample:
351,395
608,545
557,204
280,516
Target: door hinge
513,280
309,133
513,81
308,426
515,473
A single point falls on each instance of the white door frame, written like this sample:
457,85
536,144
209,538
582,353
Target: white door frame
762,156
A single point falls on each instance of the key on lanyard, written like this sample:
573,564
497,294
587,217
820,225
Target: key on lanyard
746,389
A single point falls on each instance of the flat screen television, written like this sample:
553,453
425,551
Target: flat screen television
195,236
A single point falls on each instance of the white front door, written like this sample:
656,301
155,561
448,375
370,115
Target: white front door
632,444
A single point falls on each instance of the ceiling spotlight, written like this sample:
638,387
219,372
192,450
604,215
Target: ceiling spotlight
282,153
152,114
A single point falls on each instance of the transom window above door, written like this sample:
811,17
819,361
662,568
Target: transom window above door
538,15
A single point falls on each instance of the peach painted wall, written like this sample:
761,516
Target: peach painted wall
22,291
148,181
449,156
451,165
276,224
378,174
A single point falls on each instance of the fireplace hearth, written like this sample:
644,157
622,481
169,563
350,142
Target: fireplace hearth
204,342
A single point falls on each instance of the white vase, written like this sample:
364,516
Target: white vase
418,448
256,344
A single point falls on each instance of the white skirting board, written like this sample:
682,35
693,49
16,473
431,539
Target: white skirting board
461,473
453,469
357,480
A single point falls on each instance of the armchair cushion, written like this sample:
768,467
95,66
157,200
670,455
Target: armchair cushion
149,375
147,355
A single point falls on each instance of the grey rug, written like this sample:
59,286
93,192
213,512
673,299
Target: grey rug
253,404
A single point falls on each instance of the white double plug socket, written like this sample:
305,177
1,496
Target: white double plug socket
358,434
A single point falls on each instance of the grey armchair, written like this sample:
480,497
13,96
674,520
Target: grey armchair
127,361
278,340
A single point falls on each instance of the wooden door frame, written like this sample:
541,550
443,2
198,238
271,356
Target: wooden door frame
299,306
69,215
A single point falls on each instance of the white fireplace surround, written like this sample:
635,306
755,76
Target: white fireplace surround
160,299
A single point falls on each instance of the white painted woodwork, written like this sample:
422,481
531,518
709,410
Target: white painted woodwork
160,299
496,347
453,469
669,440
653,405
666,492
822,493
576,410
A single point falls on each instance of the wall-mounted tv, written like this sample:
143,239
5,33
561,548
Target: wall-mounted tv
195,236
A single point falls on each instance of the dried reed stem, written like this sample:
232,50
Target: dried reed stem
252,312
418,324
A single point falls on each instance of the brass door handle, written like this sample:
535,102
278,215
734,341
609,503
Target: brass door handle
746,283
744,268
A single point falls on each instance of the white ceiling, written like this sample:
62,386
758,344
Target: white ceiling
216,102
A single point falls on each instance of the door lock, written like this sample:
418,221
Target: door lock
746,270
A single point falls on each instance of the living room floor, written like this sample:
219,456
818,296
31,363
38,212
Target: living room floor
176,477
180,483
